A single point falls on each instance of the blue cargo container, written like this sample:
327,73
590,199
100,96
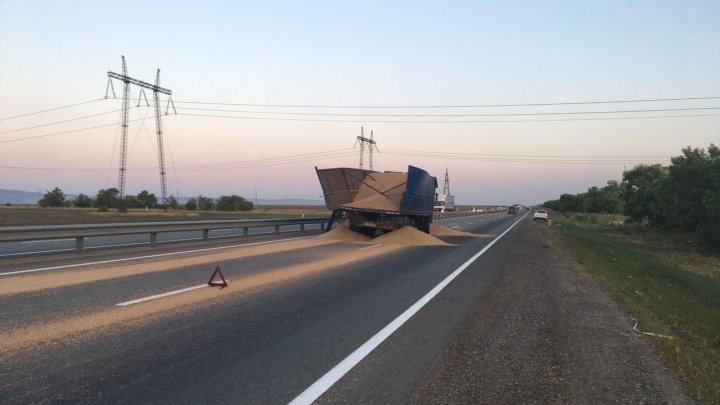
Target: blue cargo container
373,201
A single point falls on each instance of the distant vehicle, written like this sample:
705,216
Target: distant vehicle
540,215
444,203
512,210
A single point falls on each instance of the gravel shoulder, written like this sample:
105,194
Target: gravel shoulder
546,333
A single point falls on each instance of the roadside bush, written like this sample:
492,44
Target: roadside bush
233,203
82,201
191,204
682,197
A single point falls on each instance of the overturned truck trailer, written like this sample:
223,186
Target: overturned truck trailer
373,201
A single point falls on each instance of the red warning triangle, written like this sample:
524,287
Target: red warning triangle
212,283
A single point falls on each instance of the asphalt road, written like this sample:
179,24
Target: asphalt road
263,346
266,344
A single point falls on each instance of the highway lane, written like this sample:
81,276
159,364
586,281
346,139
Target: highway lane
263,345
14,249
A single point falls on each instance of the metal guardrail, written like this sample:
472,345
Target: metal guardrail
80,232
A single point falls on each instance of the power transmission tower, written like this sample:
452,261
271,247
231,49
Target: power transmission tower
370,143
158,127
446,187
127,80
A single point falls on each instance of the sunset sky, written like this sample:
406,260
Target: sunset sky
296,80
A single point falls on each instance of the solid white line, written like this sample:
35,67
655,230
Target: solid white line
167,294
331,377
371,247
149,256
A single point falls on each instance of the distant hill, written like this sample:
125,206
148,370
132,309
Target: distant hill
18,197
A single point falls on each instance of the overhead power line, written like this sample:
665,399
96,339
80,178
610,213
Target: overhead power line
276,161
52,109
348,153
457,115
245,117
530,160
452,154
59,122
26,138
646,100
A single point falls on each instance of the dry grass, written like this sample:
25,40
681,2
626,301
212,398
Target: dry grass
19,215
669,288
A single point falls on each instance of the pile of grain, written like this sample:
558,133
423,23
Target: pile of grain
409,236
342,232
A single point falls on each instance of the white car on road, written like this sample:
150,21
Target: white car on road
540,215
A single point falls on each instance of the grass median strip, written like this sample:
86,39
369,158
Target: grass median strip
665,298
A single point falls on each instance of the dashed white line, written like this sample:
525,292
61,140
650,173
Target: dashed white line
320,386
371,247
167,294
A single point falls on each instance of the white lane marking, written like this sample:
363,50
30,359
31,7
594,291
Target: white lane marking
371,247
454,227
167,294
320,386
150,256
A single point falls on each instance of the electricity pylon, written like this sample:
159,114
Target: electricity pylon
127,81
370,143
446,187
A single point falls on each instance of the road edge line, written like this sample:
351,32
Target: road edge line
319,387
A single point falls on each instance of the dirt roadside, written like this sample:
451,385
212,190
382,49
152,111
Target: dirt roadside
546,333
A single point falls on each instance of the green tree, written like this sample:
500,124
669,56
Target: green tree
611,198
82,201
233,203
108,198
54,198
570,203
130,201
146,199
205,203
191,204
684,192
172,202
641,188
